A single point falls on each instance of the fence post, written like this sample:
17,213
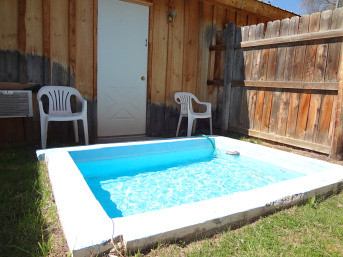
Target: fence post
229,62
337,142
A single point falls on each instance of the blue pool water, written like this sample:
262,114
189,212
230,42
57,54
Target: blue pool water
136,184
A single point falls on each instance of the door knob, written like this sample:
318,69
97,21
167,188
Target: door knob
143,78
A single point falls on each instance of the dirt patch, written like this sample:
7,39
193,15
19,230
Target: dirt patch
302,152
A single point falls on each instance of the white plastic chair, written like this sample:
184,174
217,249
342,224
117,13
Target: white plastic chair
185,100
60,110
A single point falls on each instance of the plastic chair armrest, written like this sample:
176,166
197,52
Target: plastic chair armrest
84,106
41,109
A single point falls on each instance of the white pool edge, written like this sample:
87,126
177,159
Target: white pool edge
88,229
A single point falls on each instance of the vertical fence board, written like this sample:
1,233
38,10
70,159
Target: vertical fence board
296,75
280,125
220,59
259,73
242,34
273,30
337,146
212,89
309,66
319,70
288,75
249,60
230,37
257,67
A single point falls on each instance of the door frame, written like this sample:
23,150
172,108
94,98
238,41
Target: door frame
95,61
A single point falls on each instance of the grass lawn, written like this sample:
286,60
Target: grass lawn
29,223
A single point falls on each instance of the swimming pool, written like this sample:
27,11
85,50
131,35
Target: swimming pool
168,189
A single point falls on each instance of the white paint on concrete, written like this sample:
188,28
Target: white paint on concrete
88,229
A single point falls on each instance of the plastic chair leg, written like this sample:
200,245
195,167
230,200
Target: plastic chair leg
85,129
194,125
189,127
76,131
43,132
211,126
178,125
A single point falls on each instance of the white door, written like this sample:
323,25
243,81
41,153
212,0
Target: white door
122,68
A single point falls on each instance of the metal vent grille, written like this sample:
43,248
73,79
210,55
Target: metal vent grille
15,103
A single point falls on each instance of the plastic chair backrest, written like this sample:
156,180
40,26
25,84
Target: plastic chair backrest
59,98
185,99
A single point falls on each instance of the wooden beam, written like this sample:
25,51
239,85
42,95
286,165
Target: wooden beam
141,2
283,140
255,7
218,48
46,42
216,82
336,33
72,42
230,52
15,86
337,141
22,42
329,86
95,50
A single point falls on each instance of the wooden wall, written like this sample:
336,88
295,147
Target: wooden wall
284,85
181,54
54,42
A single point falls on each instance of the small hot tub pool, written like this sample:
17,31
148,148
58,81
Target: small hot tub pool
162,190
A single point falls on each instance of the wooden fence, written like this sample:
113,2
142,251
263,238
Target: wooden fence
284,83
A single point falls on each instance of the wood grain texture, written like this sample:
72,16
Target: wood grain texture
175,62
337,145
310,65
280,122
296,75
22,41
205,36
84,48
242,34
220,18
244,119
230,37
314,36
46,42
270,117
59,41
191,42
159,55
34,41
259,73
175,53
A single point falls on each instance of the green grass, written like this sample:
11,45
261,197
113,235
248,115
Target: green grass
27,212
315,229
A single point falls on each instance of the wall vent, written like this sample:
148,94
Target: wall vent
15,103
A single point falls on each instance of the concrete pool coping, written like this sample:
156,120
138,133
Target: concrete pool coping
89,230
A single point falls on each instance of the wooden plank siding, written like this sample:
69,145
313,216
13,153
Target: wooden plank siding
292,90
48,42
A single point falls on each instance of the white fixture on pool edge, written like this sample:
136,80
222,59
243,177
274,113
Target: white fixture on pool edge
89,230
